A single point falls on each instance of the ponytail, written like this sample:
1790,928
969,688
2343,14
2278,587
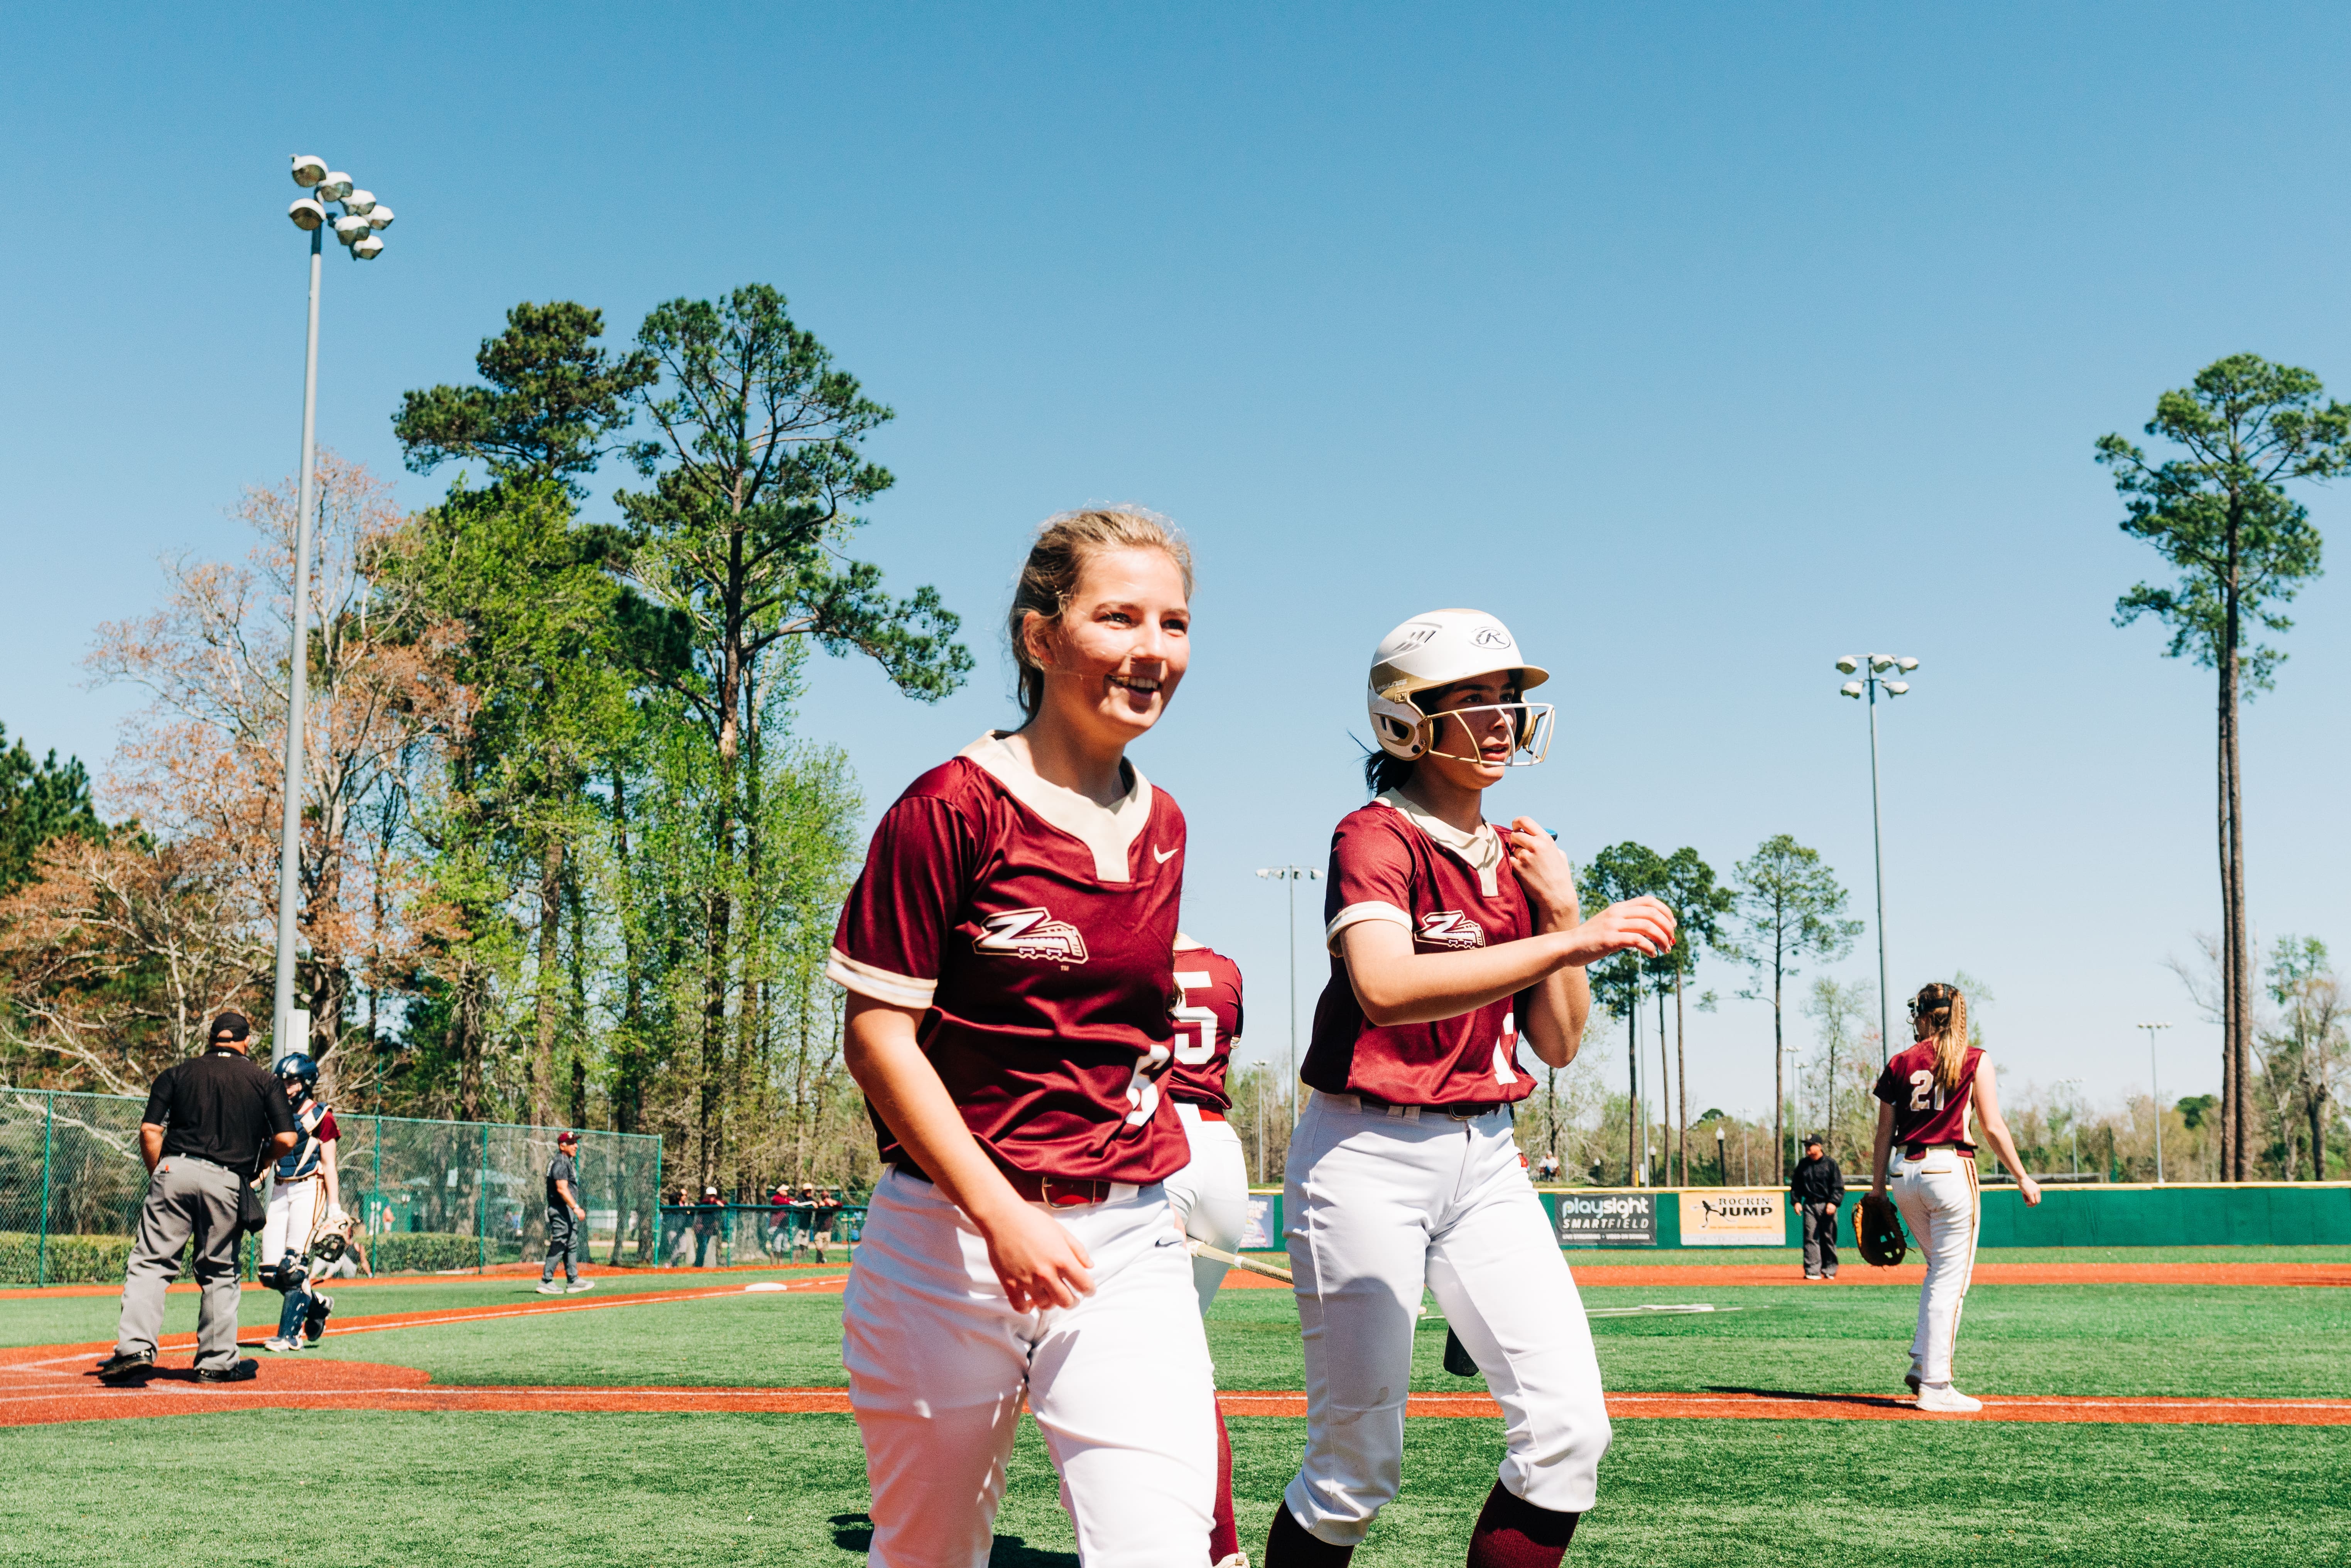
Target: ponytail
1940,1011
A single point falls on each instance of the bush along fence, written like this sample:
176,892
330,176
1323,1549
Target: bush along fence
431,1196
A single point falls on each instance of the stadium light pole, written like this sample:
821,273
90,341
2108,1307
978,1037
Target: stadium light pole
1292,874
2154,1032
1872,668
359,230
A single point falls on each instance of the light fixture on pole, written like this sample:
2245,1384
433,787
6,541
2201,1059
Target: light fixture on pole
1721,1171
2156,1089
1872,668
1293,875
362,219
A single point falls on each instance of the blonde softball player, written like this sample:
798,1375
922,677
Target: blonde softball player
1007,951
1928,1096
1451,939
1209,1196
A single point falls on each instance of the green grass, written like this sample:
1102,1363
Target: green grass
1582,1258
690,1490
694,1491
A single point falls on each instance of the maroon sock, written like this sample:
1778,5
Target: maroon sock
1514,1534
1223,1533
1287,1545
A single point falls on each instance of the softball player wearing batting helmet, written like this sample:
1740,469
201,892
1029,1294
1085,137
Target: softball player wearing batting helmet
1451,939
1009,952
1928,1097
1209,1196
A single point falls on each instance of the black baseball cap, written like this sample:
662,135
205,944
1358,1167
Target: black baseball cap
1813,1141
229,1026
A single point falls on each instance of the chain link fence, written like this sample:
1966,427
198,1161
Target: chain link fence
730,1235
431,1196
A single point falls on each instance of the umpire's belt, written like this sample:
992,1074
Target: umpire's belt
1371,1106
1053,1192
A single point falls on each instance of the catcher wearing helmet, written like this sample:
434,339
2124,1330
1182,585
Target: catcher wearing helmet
306,1230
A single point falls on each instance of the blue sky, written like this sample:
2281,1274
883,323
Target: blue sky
1701,344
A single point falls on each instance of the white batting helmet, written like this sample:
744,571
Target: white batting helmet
1435,650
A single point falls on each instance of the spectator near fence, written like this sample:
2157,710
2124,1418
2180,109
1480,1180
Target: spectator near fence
567,1219
709,1217
210,1123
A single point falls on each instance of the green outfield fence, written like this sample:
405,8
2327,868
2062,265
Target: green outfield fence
2178,1214
433,1196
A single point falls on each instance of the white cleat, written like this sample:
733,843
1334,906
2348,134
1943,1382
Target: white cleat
577,1286
549,1288
276,1345
1944,1399
1237,1559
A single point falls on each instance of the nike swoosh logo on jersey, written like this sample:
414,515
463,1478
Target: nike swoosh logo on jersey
1161,856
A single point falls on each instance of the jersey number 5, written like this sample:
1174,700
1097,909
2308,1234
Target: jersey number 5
1195,1028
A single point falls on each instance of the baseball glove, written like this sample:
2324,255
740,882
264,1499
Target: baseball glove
1877,1231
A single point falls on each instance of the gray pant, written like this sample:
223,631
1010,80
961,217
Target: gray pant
1820,1239
564,1238
192,1204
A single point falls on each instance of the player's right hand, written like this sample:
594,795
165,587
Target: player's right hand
1037,1260
1642,925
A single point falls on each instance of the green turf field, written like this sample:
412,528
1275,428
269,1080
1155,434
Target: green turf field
687,1490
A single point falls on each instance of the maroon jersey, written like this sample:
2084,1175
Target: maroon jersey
1923,1113
1207,1026
1045,983
1392,862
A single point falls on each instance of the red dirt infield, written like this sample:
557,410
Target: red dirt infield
51,1388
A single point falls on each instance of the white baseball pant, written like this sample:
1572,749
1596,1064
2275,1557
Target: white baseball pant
1210,1196
1938,1197
294,1211
1378,1203
939,1362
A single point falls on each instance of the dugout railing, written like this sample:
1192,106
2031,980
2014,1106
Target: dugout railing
437,1196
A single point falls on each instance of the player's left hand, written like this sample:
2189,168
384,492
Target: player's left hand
2031,1188
1545,872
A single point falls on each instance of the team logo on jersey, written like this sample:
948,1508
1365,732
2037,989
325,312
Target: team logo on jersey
1451,928
1031,933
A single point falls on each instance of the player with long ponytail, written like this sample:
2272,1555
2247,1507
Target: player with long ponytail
1929,1097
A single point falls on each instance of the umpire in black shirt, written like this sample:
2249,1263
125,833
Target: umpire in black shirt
210,1123
1818,1189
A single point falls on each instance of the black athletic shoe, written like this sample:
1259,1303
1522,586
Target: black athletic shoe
1457,1359
314,1326
1910,1381
244,1371
127,1365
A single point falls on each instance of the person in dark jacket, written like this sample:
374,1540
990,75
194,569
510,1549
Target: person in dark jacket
210,1123
1816,1190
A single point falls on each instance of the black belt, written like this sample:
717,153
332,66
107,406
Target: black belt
1057,1192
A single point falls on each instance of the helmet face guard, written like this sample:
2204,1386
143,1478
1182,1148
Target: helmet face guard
1427,734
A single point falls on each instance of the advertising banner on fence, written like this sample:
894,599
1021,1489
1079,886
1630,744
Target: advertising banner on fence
1731,1218
1257,1230
1608,1220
